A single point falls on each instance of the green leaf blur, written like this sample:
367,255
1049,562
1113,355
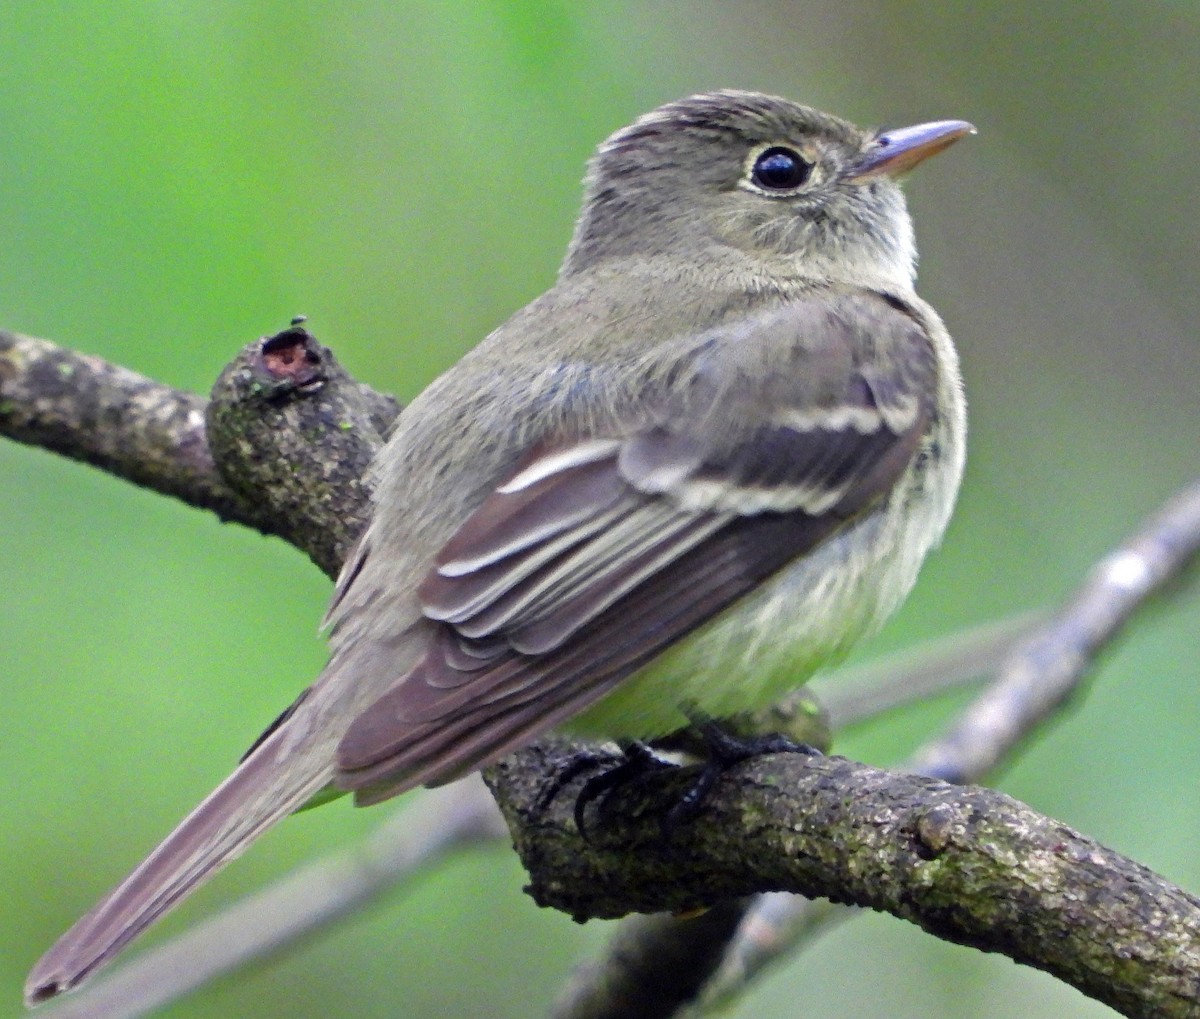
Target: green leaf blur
179,178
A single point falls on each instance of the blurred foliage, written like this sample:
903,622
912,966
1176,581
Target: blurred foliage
181,177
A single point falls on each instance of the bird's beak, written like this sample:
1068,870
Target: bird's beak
896,152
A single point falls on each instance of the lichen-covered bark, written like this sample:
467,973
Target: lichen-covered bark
284,446
967,864
87,409
290,430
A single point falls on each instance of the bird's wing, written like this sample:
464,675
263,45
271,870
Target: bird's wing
599,553
591,559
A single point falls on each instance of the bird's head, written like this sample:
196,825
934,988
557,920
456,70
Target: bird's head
811,193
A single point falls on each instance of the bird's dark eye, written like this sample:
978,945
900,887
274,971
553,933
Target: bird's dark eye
780,169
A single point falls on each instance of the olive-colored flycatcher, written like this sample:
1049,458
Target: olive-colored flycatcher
700,466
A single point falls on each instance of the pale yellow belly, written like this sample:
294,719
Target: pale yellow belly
805,617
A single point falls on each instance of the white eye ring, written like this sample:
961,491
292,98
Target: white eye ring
777,171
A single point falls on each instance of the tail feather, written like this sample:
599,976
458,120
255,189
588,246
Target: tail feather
262,791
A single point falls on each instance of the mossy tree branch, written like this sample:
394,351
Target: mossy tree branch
968,864
283,447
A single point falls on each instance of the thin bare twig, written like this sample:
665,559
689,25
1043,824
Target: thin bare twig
1018,701
307,900
934,667
282,381
1048,667
663,962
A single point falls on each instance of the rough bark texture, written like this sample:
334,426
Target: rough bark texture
292,433
110,417
1033,676
968,864
285,449
283,446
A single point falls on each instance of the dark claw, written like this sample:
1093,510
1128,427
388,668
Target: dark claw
724,751
579,763
724,746
639,760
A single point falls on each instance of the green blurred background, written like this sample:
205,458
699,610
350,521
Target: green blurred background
179,178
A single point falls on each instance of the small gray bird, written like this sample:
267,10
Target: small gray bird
711,457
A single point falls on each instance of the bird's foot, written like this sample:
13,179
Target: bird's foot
639,760
725,750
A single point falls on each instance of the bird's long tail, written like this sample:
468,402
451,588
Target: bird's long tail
274,781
